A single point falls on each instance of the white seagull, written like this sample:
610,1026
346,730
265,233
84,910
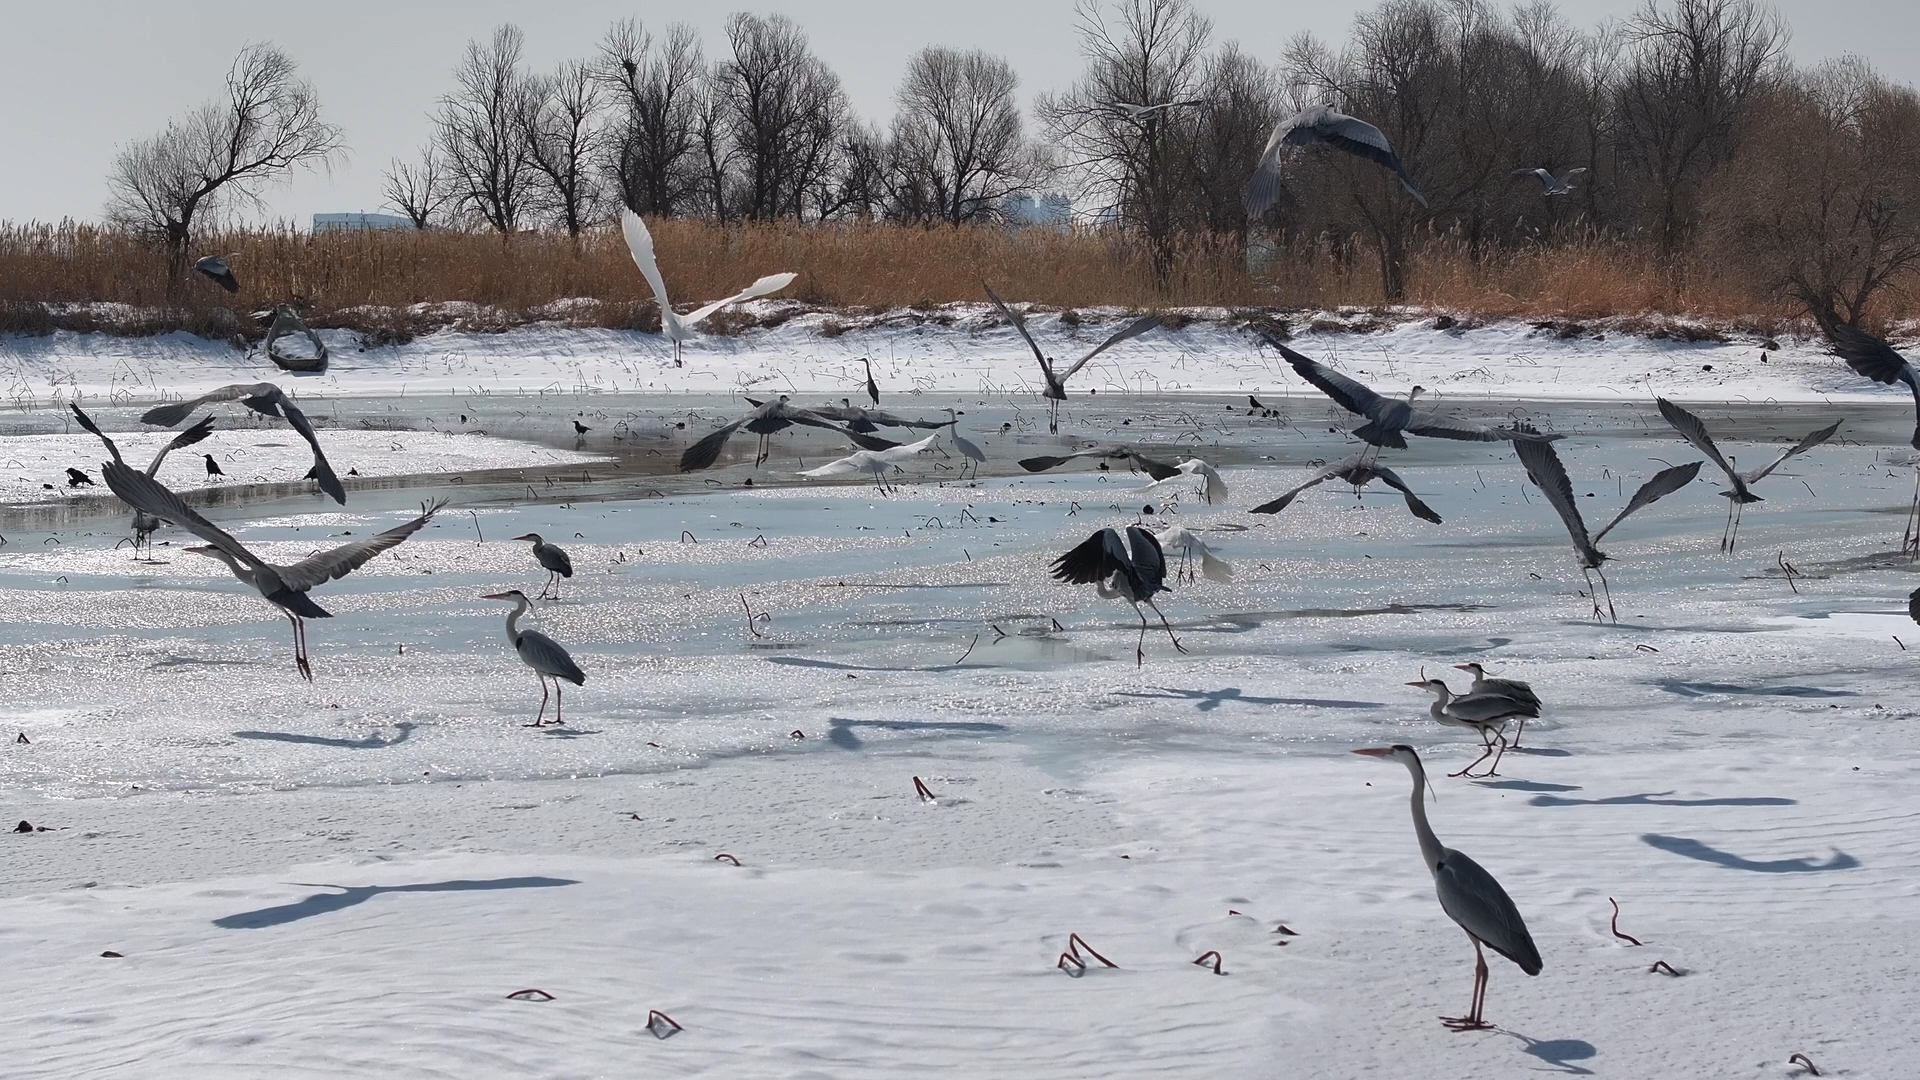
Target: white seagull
679,328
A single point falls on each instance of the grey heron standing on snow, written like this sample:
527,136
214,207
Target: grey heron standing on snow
1468,894
283,586
1520,692
873,388
1483,714
679,328
1134,570
1358,473
1389,422
1551,184
1322,124
555,561
1869,356
1694,431
267,400
1055,390
1544,467
541,653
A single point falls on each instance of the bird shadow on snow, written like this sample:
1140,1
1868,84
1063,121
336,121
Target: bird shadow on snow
1528,785
1209,700
1702,689
352,895
842,736
1656,798
1694,849
1561,1052
402,730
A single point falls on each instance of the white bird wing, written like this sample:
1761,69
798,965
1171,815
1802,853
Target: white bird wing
640,245
858,461
772,283
343,560
907,450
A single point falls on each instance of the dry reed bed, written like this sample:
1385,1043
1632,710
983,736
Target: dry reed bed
366,280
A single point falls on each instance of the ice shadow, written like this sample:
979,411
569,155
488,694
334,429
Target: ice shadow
1694,849
375,741
1539,751
834,665
1560,1052
1529,785
1209,700
352,895
841,732
1702,689
1654,798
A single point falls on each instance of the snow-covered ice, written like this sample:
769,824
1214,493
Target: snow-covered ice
350,877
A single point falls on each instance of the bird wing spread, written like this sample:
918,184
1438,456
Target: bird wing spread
1019,323
1800,447
1543,465
1348,394
1471,897
640,245
1665,482
322,470
1094,559
1420,509
772,283
1441,426
1694,430
704,453
1132,330
345,559
1286,499
188,437
171,414
151,497
1868,355
1149,562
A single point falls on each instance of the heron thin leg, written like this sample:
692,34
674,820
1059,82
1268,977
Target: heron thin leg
300,646
1140,649
1494,769
1468,771
1472,1021
558,695
1909,536
1519,731
1053,416
541,720
1163,622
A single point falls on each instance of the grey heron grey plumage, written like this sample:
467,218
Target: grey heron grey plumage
1152,466
267,400
541,653
557,563
1134,570
216,269
285,587
1522,693
1551,184
1874,358
678,328
873,388
868,421
967,447
1468,894
1486,714
766,419
1389,421
1359,473
1544,467
1322,124
874,463
1055,389
145,525
1694,431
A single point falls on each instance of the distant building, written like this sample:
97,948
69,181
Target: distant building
1026,211
358,222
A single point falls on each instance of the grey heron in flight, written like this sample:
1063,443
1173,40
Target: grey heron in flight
967,447
1389,422
145,525
1134,570
285,587
1055,390
766,419
216,269
1870,356
1322,124
1153,467
1544,467
1213,486
556,562
1359,473
541,653
1692,429
1141,112
1485,714
874,463
679,328
1551,184
868,421
1468,894
267,400
1513,688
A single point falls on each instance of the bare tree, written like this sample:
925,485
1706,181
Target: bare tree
1691,74
558,116
481,139
419,189
652,147
785,113
1148,53
1241,103
713,144
958,134
223,154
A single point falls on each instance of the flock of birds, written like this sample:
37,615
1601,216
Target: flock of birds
1127,564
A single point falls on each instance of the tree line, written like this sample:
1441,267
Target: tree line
1698,137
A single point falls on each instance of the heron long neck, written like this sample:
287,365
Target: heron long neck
520,606
1430,850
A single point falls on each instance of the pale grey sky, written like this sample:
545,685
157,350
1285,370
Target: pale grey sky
83,77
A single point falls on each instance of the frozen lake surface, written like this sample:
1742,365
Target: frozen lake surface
388,852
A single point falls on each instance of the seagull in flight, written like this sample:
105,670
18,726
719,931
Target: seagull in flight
1692,429
1552,185
1056,382
267,400
679,328
1322,124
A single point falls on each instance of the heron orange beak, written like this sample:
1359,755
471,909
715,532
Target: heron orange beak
1463,667
497,596
1422,684
1376,751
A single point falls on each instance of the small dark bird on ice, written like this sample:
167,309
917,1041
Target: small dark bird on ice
213,467
76,478
580,428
